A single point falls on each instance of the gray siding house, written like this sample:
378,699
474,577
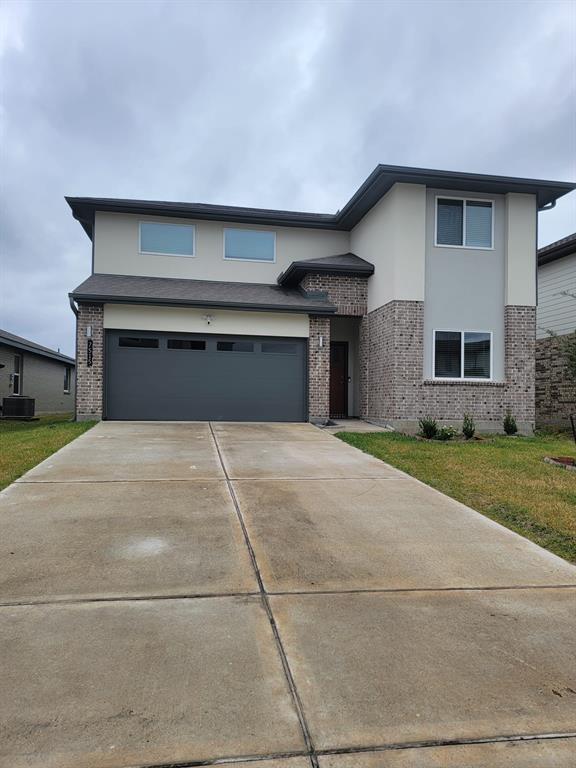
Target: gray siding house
27,368
556,321
417,297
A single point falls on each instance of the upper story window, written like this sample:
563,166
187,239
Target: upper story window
167,239
464,223
250,245
462,354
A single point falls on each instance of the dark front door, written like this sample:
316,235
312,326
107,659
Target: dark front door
338,379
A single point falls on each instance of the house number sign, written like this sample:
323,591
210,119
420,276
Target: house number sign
89,353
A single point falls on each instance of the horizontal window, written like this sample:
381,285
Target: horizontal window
464,223
196,344
249,245
166,239
235,346
279,347
141,342
462,354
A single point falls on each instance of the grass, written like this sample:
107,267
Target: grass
504,478
23,444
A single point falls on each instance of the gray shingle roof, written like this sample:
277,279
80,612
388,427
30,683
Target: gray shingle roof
340,264
203,293
11,340
558,249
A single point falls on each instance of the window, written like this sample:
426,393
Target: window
67,379
464,223
249,245
235,346
136,341
279,347
17,375
195,344
166,239
462,355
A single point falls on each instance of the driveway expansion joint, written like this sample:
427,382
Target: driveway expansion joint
267,607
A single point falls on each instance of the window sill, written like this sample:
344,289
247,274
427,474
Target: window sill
462,383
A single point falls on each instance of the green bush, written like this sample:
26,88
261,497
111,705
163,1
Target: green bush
510,426
428,427
446,433
468,427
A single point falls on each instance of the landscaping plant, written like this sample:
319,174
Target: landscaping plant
468,427
510,426
445,433
428,427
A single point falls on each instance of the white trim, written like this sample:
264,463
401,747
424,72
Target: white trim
163,253
462,333
67,377
247,229
17,374
464,201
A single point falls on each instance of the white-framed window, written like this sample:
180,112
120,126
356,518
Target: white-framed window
464,222
249,245
162,239
465,355
17,375
67,379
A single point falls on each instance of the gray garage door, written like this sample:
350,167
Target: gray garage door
190,377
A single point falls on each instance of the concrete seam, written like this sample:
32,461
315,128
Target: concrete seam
268,608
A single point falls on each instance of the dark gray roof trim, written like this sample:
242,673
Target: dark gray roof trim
341,264
11,340
127,289
382,178
557,250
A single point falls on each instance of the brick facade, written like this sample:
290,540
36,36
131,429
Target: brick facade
89,379
349,294
555,391
319,369
397,393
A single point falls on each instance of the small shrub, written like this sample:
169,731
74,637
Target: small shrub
446,433
468,427
510,426
428,427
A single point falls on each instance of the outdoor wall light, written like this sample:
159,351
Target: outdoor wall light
207,318
88,331
321,342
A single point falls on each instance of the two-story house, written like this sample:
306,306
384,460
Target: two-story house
555,326
417,297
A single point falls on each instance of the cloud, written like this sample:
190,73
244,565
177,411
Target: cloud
260,103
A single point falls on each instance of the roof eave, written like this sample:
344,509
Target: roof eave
293,274
316,309
35,351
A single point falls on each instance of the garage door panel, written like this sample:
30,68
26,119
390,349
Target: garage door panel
192,377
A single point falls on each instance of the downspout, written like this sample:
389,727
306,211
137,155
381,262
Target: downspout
74,309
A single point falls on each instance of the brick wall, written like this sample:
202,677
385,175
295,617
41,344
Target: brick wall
397,392
89,379
349,294
555,391
319,369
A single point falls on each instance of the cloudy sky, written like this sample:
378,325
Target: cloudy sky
273,104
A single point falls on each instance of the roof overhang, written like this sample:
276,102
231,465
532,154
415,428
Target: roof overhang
293,274
557,250
26,346
380,181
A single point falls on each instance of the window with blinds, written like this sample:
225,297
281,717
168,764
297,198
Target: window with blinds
462,223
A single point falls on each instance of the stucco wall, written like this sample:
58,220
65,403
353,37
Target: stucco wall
116,250
521,222
42,379
465,286
392,237
186,320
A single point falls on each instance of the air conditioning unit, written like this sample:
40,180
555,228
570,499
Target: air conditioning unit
18,407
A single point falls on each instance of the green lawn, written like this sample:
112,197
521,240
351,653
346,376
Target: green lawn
23,444
504,478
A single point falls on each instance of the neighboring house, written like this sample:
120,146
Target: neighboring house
417,297
556,320
26,368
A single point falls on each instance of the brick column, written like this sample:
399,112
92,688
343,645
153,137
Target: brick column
520,364
319,369
89,367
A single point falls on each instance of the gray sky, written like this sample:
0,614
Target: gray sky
272,104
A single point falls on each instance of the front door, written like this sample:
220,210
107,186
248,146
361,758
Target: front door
338,379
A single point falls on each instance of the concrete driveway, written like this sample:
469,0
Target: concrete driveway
263,594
